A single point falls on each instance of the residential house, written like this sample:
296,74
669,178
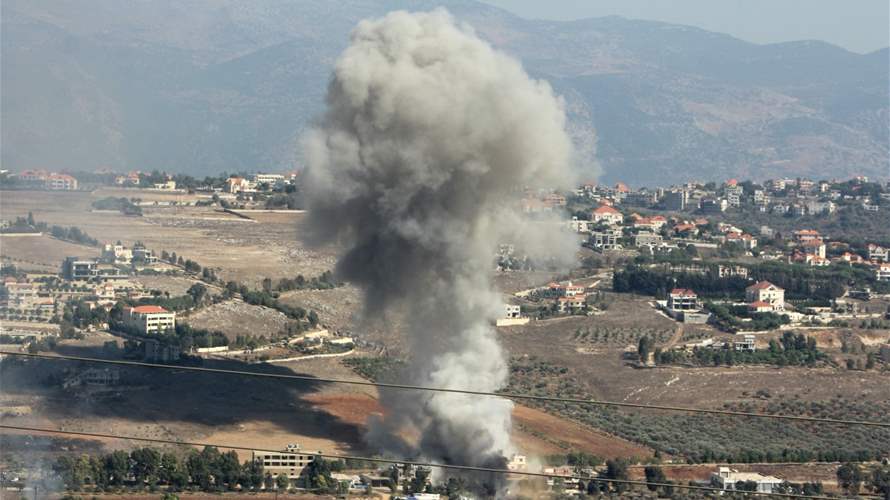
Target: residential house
686,229
746,344
574,290
60,182
727,479
804,235
764,291
647,239
236,184
746,241
605,240
580,226
878,253
116,253
75,268
272,180
512,311
850,258
682,299
606,215
150,319
651,223
554,200
814,247
882,272
571,304
758,306
143,255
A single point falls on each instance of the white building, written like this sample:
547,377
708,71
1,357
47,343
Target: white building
764,291
289,462
512,311
271,179
747,343
607,215
878,253
150,319
727,479
116,253
882,272
682,299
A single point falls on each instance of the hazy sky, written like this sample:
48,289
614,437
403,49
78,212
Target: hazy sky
857,25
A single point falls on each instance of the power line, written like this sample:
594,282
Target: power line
629,482
511,395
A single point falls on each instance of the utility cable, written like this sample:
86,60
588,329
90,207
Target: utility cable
511,395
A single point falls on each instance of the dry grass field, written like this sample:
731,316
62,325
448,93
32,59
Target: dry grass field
233,318
241,250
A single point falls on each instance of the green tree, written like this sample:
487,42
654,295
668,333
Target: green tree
849,477
282,482
654,474
117,467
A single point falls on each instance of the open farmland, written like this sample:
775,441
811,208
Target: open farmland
237,248
561,357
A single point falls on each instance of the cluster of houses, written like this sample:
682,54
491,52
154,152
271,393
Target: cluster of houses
47,180
684,305
95,282
237,184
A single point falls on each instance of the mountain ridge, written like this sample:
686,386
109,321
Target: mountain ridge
133,88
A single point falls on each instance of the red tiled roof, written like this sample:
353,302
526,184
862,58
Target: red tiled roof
758,304
682,291
761,285
148,309
813,243
603,209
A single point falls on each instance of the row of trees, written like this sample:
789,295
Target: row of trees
727,319
123,205
800,282
207,470
791,350
268,299
323,282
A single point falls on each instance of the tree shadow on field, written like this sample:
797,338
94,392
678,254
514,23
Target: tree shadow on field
175,397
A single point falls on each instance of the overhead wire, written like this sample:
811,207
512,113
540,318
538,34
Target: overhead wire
465,468
511,395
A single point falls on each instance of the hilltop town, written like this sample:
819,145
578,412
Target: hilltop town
748,296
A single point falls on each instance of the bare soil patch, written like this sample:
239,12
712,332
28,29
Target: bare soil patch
234,318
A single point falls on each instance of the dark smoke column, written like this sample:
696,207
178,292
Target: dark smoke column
415,167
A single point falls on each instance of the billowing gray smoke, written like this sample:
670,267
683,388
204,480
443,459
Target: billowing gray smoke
429,139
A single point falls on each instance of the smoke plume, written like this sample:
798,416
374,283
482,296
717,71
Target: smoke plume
429,138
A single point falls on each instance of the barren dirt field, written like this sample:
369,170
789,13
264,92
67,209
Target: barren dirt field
40,253
234,317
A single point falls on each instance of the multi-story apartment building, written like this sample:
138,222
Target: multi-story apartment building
675,200
76,268
289,462
150,319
